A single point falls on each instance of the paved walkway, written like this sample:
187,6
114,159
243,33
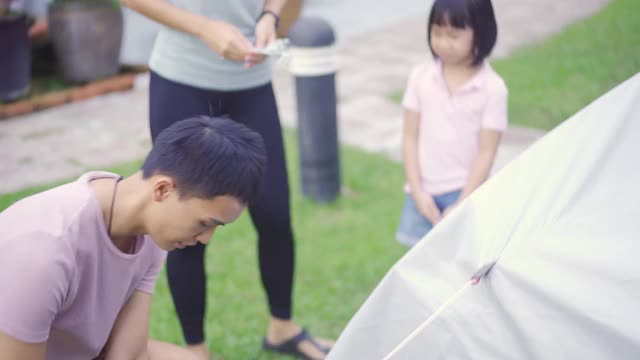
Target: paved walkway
374,62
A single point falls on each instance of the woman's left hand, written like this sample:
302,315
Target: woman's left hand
265,35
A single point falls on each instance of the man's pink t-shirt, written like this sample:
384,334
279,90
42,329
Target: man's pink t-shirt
450,124
62,280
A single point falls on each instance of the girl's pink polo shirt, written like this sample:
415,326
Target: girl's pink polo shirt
450,124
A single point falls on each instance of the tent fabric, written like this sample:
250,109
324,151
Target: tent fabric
562,223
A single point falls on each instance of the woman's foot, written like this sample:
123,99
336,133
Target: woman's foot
280,332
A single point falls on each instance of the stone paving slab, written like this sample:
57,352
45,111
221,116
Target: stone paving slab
66,141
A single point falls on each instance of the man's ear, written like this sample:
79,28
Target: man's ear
163,186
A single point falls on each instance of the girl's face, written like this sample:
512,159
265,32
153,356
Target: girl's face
454,46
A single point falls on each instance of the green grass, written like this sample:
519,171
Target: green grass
342,251
550,81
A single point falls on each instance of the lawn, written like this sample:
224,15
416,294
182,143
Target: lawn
343,250
550,81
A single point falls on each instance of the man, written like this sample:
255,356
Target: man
78,263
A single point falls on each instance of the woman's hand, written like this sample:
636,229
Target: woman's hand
265,35
225,39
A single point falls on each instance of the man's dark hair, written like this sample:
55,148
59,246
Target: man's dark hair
209,157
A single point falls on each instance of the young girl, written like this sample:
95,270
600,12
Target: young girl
455,113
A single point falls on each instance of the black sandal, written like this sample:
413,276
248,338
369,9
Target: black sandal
290,347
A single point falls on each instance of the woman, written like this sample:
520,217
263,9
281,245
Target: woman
203,64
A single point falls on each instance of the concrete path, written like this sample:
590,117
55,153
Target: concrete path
375,55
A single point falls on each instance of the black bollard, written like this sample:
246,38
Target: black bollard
313,65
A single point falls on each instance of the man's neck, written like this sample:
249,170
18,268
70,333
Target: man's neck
118,211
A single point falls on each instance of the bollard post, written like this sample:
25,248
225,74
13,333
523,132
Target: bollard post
313,65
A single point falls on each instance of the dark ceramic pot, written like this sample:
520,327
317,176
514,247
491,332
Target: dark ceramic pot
15,61
87,35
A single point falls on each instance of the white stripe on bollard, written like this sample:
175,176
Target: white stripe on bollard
313,61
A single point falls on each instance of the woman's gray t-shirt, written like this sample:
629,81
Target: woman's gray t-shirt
186,59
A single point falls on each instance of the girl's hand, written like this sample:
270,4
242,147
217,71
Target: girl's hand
428,208
450,208
225,39
265,35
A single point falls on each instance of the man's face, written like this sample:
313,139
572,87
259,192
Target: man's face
175,223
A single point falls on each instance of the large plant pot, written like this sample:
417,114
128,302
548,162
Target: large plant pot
15,61
86,35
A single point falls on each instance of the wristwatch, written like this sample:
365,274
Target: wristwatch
272,13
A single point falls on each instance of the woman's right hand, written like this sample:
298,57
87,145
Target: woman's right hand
225,39
428,207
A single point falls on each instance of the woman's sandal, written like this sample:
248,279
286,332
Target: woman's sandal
290,347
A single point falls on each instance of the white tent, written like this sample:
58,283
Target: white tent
561,223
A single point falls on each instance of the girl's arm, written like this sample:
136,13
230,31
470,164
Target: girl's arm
423,200
410,151
222,37
489,141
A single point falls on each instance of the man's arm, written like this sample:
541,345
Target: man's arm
33,284
130,333
11,348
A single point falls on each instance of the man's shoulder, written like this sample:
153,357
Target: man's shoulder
48,213
35,230
37,254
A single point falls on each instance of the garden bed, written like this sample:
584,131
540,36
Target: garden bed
52,91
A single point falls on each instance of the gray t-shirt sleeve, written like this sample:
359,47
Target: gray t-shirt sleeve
36,8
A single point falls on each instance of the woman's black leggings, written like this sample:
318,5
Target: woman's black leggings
256,108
